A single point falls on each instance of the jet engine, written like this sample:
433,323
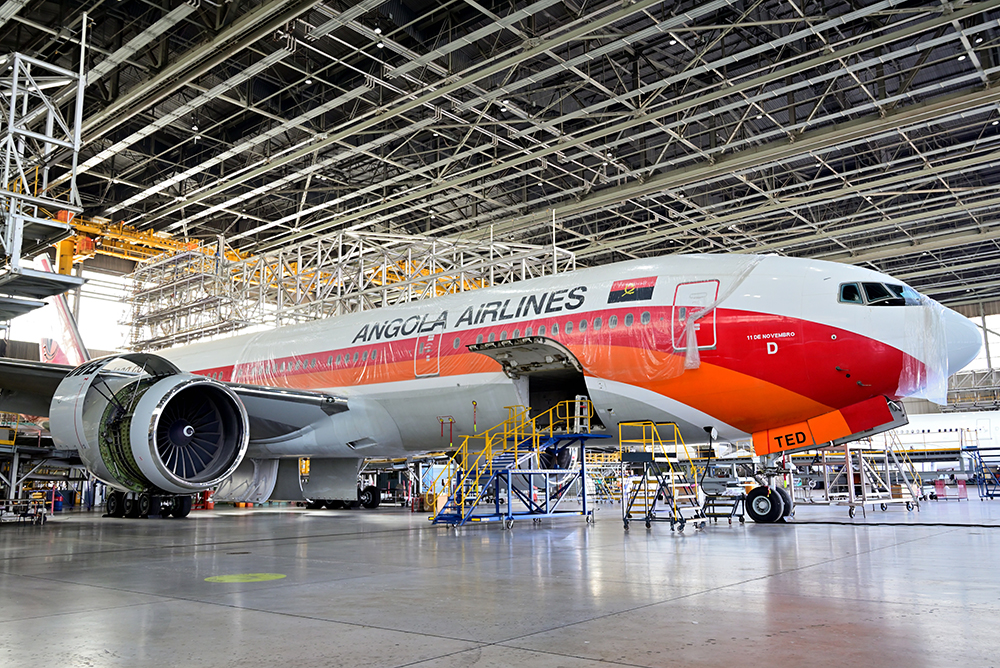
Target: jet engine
142,425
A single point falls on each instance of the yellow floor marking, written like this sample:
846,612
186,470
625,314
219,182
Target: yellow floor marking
246,577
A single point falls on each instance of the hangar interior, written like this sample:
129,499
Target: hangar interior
364,154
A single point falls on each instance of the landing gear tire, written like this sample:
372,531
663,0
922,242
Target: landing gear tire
180,506
369,497
909,505
314,505
144,504
115,504
626,525
131,506
850,511
884,507
765,505
509,524
786,497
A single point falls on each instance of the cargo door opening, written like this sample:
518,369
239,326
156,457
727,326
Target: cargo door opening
544,371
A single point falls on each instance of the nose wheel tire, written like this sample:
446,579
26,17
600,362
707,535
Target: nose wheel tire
765,505
786,496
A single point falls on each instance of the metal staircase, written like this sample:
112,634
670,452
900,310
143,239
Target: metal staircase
522,467
986,462
660,475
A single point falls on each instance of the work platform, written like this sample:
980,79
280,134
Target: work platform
523,467
987,467
659,477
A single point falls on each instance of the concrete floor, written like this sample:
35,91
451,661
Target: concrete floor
384,588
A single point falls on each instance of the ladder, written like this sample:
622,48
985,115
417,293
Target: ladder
660,481
987,467
516,467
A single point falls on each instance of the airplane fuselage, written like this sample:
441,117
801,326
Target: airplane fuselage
779,347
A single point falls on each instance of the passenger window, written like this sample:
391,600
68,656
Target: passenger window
629,319
340,360
492,337
583,325
456,343
282,366
364,356
503,335
516,334
527,331
329,360
374,355
555,329
612,322
569,328
850,293
479,339
597,324
541,330
355,358
645,318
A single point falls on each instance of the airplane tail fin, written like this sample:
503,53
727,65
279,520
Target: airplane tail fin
67,347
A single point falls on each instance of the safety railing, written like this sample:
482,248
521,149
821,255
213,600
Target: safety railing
663,440
505,445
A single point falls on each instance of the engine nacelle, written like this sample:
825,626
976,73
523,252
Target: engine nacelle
141,425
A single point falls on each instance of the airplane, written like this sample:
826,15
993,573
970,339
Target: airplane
792,353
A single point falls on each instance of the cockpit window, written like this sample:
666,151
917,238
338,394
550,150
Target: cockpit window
908,294
879,294
851,293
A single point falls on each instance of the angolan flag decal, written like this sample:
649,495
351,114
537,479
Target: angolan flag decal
639,289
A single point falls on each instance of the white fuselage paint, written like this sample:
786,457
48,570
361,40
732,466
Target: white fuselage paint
794,288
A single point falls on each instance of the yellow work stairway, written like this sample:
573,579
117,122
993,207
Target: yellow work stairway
660,478
522,467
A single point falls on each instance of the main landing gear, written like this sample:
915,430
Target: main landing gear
766,505
368,497
131,504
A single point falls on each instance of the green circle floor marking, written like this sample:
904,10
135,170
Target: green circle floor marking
246,577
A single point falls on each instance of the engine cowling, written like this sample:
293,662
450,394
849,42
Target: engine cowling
141,425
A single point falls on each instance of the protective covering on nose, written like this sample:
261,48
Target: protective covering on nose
692,359
939,342
964,340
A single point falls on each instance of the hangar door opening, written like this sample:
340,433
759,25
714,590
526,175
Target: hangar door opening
544,371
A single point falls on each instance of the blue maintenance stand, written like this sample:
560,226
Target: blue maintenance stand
509,478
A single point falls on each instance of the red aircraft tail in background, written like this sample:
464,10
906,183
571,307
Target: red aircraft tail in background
67,347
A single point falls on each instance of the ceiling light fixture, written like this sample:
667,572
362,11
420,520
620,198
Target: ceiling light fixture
309,82
962,57
378,31
380,44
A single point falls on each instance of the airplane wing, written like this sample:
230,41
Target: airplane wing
28,386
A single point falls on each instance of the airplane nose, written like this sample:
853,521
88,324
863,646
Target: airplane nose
963,339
